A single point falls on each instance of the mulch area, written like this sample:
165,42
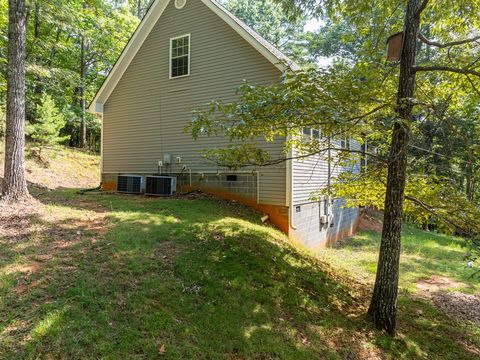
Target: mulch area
441,292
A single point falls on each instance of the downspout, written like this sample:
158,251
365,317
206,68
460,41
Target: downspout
329,165
101,146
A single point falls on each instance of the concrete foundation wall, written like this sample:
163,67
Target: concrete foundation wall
245,185
312,234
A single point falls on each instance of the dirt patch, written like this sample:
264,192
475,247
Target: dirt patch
437,283
465,307
16,220
460,306
369,223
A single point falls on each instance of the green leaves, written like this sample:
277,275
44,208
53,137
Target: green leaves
333,102
49,122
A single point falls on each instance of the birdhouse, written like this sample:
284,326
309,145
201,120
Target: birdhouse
394,47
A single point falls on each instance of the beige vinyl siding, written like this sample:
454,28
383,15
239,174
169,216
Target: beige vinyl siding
145,115
311,174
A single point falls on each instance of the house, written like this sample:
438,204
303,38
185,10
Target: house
184,54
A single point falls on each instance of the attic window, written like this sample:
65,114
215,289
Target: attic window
179,4
180,56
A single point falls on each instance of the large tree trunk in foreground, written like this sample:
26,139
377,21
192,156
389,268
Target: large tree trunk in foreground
14,182
383,307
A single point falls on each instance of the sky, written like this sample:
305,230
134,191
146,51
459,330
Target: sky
313,25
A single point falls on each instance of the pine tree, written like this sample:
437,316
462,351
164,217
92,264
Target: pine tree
46,131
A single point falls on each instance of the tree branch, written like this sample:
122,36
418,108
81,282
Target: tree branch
422,7
473,85
446,45
446,69
304,156
432,211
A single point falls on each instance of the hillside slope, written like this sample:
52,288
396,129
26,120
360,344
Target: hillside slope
193,277
125,277
60,167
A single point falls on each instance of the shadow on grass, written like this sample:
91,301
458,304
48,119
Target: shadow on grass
125,277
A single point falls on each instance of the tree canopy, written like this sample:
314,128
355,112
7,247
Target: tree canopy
57,35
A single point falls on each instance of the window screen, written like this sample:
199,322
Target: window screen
180,56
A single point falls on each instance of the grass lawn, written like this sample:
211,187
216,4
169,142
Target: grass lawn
424,254
117,277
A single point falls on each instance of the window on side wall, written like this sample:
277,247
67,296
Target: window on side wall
180,56
311,132
345,143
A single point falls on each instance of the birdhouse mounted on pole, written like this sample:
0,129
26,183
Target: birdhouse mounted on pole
394,47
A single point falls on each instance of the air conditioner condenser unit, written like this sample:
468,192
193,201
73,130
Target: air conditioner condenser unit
130,184
160,185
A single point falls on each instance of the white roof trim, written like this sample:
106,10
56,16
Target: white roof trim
275,56
128,53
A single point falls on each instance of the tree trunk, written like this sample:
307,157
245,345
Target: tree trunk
83,75
383,307
14,182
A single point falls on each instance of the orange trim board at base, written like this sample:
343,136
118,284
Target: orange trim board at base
109,186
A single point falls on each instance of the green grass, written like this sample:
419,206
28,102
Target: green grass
118,277
423,254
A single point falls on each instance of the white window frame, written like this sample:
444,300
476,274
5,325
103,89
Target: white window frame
310,132
170,56
347,142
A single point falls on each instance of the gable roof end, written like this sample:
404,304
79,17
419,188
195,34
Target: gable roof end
275,56
279,59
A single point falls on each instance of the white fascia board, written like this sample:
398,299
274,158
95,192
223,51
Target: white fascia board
246,35
133,45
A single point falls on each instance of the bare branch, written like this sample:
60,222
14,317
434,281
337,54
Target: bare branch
446,69
449,44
